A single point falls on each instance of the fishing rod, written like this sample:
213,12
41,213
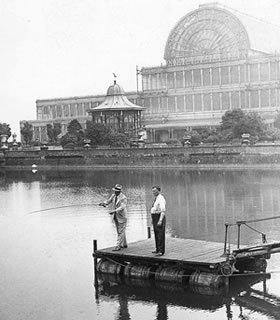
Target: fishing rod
66,206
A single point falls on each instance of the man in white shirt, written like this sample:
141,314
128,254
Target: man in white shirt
159,220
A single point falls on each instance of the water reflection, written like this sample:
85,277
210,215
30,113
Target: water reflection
239,301
199,203
47,255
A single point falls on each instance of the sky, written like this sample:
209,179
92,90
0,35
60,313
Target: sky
64,48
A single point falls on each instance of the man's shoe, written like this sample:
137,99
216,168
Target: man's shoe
155,251
159,254
117,249
124,246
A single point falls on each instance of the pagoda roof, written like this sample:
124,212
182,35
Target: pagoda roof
116,100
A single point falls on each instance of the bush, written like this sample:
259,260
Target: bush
119,140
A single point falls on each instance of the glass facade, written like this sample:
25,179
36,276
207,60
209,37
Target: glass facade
223,75
222,85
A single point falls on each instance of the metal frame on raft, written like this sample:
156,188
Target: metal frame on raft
250,258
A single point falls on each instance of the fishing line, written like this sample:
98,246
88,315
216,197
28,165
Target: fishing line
69,206
132,216
65,206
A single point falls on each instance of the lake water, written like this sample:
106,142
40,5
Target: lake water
46,267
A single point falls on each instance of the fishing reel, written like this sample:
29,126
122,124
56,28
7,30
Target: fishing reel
226,268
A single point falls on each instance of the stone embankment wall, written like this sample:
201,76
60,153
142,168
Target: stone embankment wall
257,154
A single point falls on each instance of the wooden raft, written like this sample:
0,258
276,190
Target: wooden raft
184,252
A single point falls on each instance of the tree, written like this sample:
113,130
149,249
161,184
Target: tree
98,133
5,129
53,131
236,122
69,140
27,132
74,127
271,134
195,138
252,123
204,133
74,135
231,118
191,137
119,139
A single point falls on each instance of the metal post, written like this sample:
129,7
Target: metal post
226,235
95,262
137,73
149,232
264,284
238,235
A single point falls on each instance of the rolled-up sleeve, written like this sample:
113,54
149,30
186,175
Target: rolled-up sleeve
162,204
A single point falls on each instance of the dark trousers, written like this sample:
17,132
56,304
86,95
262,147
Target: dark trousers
159,232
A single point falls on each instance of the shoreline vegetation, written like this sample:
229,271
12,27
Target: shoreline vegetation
196,167
203,157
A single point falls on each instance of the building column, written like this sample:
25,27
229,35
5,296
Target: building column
193,103
184,80
154,135
239,96
247,99
170,133
192,78
202,102
239,73
40,134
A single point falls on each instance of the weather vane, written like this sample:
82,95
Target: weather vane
115,78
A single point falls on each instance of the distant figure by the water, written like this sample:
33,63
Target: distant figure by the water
159,220
119,202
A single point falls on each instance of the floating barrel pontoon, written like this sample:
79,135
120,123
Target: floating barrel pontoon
187,261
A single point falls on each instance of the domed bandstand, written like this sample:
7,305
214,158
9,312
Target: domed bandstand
118,112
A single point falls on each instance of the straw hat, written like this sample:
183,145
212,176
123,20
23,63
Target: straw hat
118,187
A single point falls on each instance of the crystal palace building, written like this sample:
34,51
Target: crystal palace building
216,59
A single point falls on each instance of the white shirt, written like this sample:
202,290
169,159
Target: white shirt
159,204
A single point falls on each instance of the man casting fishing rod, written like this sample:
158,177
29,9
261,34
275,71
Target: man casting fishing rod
119,202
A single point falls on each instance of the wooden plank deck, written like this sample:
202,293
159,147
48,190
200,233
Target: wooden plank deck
176,250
